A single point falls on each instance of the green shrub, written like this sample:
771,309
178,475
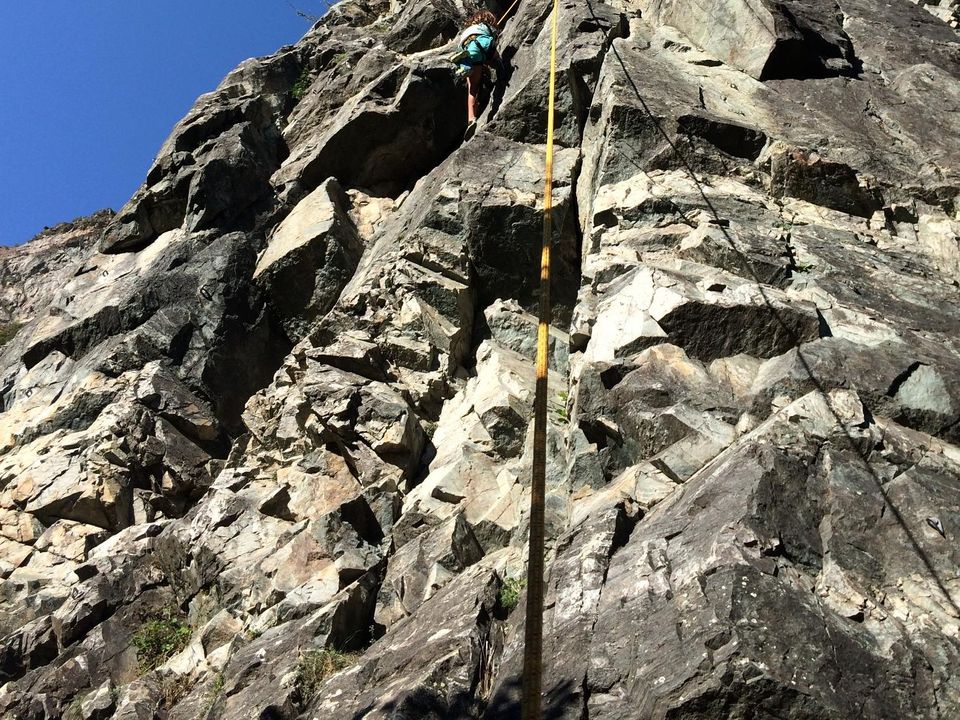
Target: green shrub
510,592
302,84
158,640
74,710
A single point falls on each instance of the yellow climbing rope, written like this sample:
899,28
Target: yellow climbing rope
533,636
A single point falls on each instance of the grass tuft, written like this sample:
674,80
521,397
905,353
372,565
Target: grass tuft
158,640
173,689
560,409
316,666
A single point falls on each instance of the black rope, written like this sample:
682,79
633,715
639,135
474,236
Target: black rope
306,16
797,341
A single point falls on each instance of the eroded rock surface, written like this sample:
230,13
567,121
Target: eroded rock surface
266,434
31,273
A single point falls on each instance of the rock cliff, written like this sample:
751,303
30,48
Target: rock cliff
265,434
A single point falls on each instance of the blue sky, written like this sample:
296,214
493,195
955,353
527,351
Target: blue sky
89,89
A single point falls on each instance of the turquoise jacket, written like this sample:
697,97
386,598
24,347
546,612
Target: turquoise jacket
479,41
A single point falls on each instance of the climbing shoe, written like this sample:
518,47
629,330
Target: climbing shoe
470,131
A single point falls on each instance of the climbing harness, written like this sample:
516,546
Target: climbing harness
533,631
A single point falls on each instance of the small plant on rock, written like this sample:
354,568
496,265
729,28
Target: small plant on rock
213,694
316,666
302,84
158,640
510,592
562,416
75,708
784,226
173,689
7,331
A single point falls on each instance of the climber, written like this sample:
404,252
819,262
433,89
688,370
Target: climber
477,50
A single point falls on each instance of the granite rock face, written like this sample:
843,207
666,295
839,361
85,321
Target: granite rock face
30,274
266,433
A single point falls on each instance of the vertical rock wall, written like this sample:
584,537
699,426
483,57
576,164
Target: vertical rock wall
265,450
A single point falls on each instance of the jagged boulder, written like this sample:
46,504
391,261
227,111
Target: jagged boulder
309,258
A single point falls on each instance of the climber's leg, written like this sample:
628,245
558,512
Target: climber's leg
474,81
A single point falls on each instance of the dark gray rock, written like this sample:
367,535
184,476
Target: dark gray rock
518,107
762,638
216,163
422,670
420,567
424,25
833,185
263,673
370,143
309,259
577,578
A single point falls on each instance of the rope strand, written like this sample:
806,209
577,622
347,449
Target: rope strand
533,631
504,16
